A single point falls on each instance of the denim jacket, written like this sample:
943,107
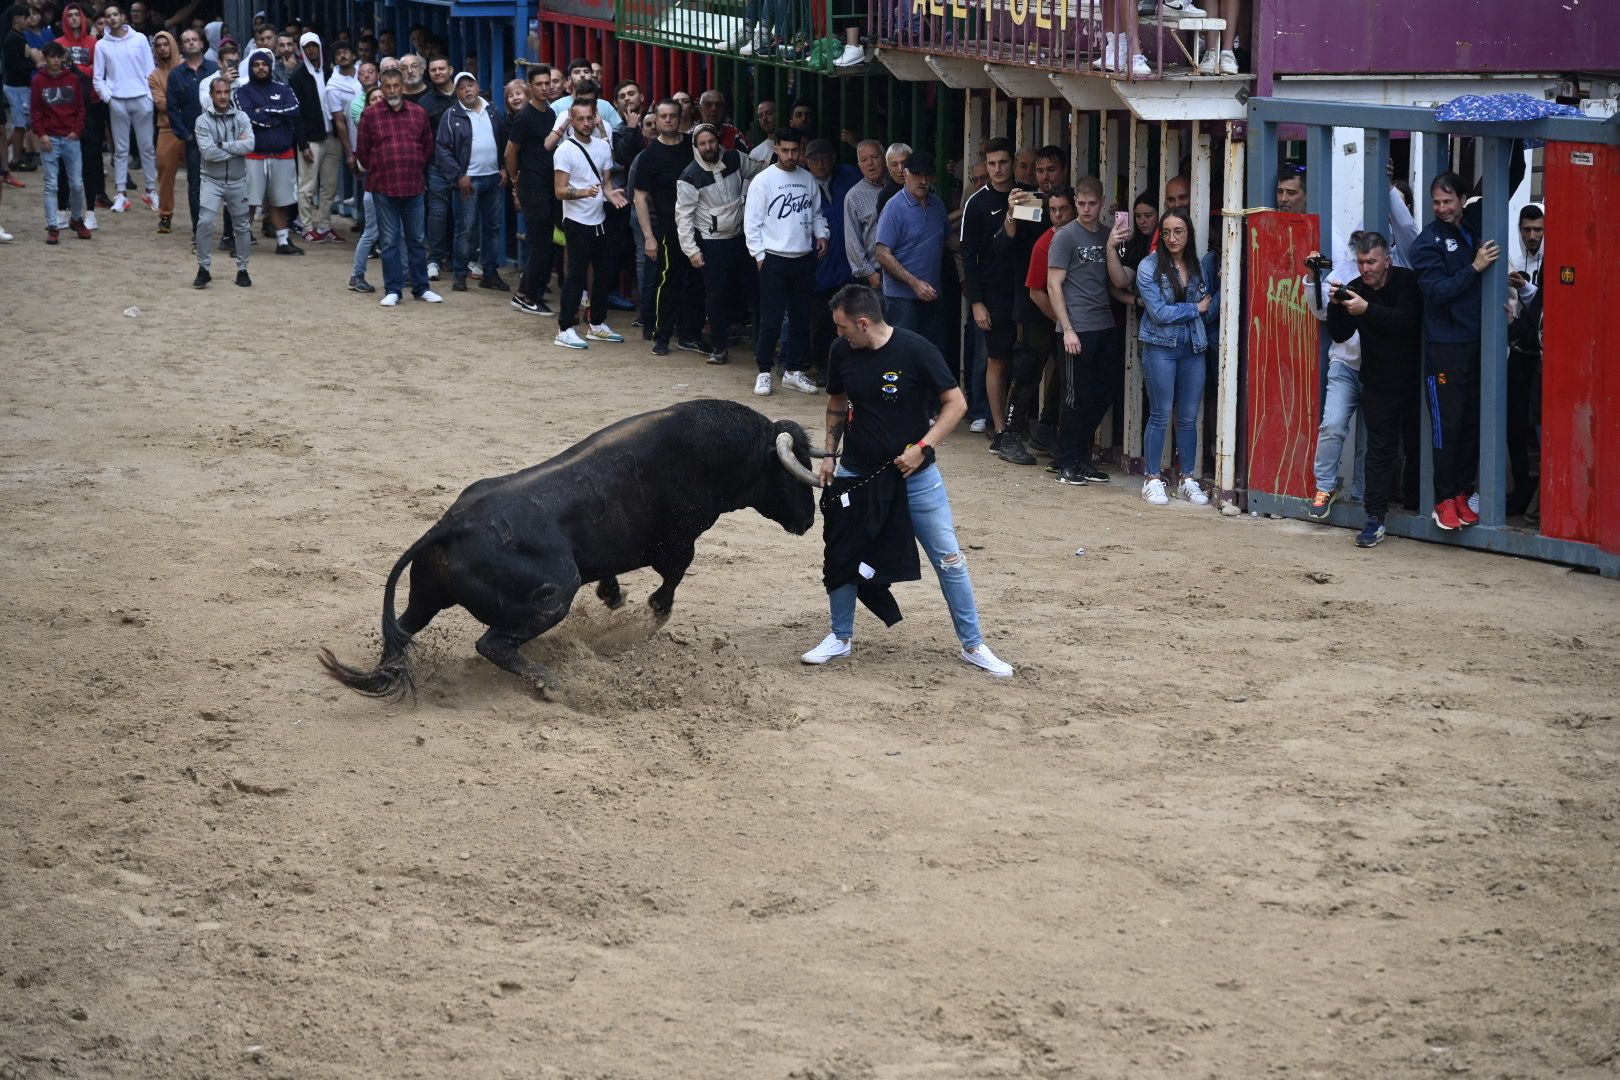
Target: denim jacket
1170,324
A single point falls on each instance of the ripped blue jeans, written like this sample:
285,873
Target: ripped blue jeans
935,529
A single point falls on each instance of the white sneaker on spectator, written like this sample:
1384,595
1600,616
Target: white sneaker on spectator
1228,62
475,271
1139,67
762,385
1153,491
603,332
120,204
433,271
389,300
90,220
1209,63
1105,62
831,648
5,237
852,55
797,380
428,296
1192,492
979,427
980,656
569,339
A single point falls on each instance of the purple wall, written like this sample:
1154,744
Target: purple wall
1435,36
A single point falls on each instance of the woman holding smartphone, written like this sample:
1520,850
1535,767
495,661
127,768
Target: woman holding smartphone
1179,305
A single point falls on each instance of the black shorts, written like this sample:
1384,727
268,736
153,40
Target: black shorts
1003,333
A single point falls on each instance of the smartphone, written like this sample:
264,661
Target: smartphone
1028,212
1120,218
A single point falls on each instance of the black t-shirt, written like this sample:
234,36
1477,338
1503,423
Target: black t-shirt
19,65
528,133
662,165
892,391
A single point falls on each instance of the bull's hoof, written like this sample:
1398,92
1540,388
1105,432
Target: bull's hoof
614,604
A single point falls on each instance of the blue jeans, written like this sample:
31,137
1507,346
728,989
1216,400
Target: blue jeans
1340,404
439,212
919,316
368,235
978,398
1175,381
478,225
769,14
935,529
64,152
399,230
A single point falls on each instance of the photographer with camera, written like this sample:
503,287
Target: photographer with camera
1324,287
1381,309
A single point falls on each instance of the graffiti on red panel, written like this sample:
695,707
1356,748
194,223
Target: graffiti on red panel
1284,385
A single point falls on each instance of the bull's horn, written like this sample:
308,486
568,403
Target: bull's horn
784,452
822,453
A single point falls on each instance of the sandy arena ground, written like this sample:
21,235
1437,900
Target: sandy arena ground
1257,803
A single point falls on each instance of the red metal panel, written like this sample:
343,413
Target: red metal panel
1580,476
1284,386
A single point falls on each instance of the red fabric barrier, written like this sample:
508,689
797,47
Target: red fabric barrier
1284,376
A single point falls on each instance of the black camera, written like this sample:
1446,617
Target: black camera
1341,295
1319,263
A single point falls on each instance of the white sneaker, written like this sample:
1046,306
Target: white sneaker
428,296
852,55
1209,63
980,656
1184,9
603,332
1153,491
1190,491
475,271
120,204
5,237
90,220
831,648
433,271
569,339
797,380
390,300
979,427
1139,67
1105,62
1228,62
762,385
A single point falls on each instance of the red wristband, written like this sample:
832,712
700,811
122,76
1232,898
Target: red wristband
921,445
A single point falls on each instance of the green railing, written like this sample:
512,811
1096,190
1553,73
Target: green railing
777,32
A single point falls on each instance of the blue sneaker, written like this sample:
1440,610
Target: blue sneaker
620,303
1370,534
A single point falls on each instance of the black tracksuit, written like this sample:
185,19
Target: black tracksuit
1390,357
1443,257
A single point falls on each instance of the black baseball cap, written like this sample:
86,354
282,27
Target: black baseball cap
920,162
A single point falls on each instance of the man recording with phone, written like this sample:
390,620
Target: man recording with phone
1381,309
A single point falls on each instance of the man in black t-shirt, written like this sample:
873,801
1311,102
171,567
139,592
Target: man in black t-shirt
883,383
679,286
529,164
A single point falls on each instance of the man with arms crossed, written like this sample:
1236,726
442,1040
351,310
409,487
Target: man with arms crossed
882,384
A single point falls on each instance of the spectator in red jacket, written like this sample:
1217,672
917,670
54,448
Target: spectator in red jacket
57,118
396,144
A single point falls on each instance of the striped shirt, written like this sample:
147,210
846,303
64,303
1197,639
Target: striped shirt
860,228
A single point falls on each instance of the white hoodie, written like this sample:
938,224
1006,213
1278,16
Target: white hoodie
783,214
122,65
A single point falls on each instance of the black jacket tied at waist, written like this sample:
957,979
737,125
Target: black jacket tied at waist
866,529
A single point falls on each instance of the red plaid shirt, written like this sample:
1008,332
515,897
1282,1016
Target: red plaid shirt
395,148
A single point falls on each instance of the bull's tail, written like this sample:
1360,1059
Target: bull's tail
392,677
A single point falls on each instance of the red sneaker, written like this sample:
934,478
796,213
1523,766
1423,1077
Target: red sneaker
1445,515
81,230
53,236
1465,514
12,181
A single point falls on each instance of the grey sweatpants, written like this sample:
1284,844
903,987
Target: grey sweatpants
232,195
133,113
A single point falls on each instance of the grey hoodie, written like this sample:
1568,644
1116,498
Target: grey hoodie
223,141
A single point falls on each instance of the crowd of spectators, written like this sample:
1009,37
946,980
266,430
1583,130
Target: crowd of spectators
710,235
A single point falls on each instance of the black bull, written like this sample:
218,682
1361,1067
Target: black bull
513,550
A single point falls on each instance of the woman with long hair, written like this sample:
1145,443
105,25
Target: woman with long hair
170,150
1145,225
1179,303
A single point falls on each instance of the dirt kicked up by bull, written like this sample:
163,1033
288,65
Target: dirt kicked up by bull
513,550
